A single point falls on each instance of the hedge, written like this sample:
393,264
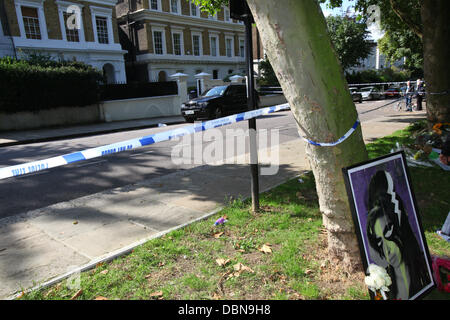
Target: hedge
36,85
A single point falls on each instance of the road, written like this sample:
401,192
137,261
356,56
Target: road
43,188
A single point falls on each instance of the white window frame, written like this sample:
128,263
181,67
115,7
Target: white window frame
225,15
62,7
240,53
197,33
232,46
215,36
39,5
105,13
178,7
163,39
158,4
180,32
196,10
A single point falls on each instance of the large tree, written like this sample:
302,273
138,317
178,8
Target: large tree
429,21
350,40
295,37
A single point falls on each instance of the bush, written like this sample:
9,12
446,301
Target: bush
41,83
382,75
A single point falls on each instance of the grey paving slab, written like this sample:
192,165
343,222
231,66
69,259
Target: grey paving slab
27,255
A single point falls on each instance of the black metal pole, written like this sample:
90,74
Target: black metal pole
252,122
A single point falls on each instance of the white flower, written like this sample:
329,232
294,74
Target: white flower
378,279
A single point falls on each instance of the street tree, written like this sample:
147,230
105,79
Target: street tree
295,37
350,40
429,21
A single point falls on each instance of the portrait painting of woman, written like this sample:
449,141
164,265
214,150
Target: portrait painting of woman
388,228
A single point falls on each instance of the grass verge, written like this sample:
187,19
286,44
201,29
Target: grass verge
279,253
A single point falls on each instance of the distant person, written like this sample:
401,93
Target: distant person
419,94
408,96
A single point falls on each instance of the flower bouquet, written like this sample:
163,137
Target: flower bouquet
378,281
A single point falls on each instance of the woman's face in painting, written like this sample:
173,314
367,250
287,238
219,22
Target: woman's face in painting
385,234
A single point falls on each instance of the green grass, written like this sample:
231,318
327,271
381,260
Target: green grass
182,264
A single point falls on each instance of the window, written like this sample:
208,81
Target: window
158,42
31,23
215,74
227,15
242,48
154,4
196,44
229,47
102,29
194,11
177,44
213,46
72,34
174,6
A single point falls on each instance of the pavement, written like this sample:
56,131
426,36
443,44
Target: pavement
43,246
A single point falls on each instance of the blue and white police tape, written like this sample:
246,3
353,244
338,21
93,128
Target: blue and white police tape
339,141
30,167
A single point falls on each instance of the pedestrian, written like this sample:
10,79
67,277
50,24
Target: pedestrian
408,96
419,94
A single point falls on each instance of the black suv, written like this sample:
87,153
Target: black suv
217,102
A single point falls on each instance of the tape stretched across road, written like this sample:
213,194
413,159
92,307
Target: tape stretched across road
35,166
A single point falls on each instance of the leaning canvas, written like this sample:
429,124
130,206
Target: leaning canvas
388,226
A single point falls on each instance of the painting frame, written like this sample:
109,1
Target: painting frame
386,219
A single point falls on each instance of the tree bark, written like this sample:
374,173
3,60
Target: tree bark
436,50
296,40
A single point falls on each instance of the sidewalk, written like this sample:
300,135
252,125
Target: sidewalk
50,243
41,135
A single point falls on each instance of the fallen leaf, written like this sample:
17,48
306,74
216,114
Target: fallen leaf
218,235
76,295
99,264
215,296
308,271
222,262
101,298
156,294
104,271
21,295
241,268
161,264
265,248
75,222
148,276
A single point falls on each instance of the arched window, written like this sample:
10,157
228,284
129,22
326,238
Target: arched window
162,76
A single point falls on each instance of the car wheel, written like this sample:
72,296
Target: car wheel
360,100
190,120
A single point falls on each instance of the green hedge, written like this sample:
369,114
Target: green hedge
382,75
33,85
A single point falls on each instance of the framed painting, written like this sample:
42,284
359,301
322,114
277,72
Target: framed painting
388,226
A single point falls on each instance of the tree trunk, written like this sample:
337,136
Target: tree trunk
296,40
436,50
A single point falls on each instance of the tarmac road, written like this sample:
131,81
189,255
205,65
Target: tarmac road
34,191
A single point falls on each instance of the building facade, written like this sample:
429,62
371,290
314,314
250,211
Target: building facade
164,37
84,31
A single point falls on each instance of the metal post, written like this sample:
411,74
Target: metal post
252,122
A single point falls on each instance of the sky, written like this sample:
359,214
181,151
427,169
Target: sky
347,5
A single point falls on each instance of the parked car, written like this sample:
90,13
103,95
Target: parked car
392,93
356,96
216,102
371,93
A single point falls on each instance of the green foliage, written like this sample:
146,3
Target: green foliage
210,6
41,83
402,24
268,77
349,38
382,75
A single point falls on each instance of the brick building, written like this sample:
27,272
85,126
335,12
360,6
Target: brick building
71,30
164,37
